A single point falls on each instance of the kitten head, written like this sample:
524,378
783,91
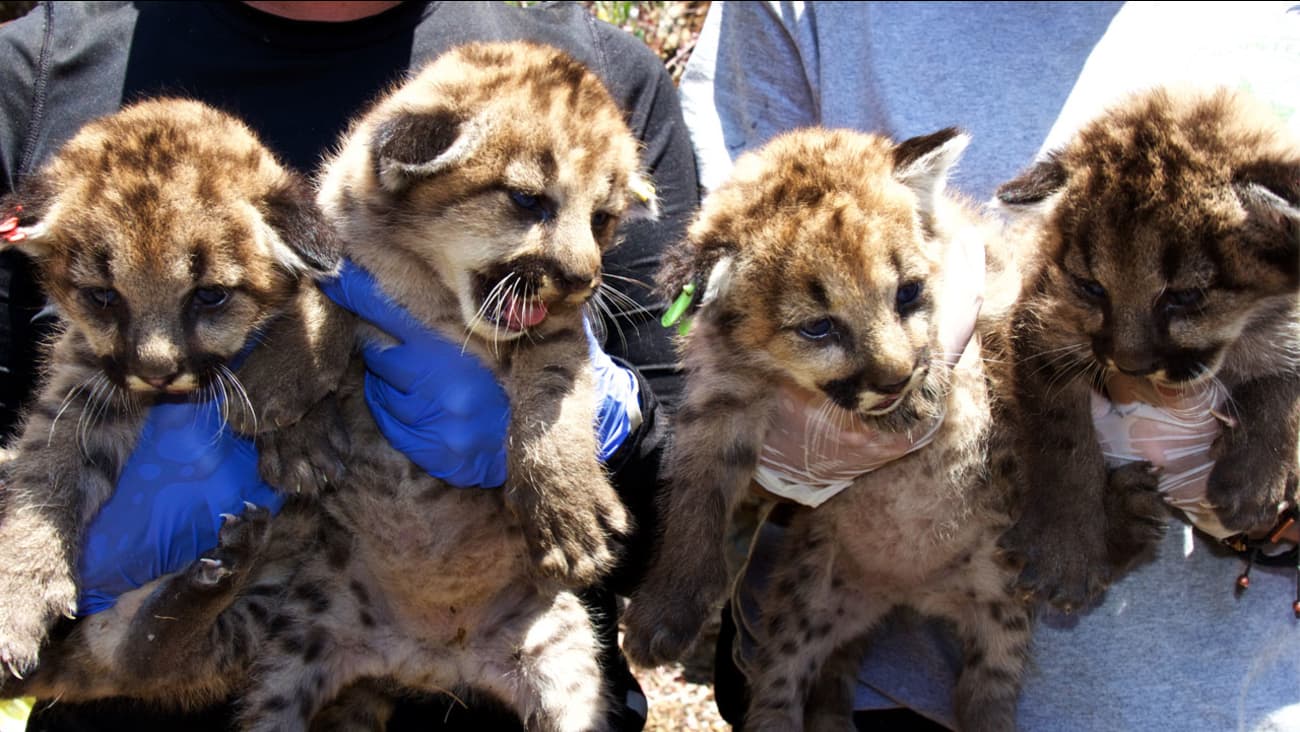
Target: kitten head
500,172
167,235
1170,232
821,262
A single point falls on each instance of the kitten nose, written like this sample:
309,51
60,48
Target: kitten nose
1134,365
576,286
160,382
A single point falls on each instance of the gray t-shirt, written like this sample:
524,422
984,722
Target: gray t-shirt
1172,647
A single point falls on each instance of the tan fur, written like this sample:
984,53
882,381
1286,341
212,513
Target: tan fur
1168,233
835,224
447,588
168,238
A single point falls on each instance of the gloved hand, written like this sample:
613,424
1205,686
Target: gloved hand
1172,430
814,449
188,468
441,407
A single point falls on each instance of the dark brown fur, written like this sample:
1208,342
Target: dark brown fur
1170,249
168,237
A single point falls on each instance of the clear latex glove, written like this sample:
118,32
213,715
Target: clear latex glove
187,469
815,449
1171,429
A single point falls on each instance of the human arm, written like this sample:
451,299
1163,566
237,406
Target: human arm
746,82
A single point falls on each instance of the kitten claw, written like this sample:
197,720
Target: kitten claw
1227,419
13,670
228,518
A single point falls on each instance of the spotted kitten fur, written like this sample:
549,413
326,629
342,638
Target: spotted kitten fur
832,244
481,194
170,239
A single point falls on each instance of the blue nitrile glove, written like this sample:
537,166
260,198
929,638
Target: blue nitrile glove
619,411
437,405
441,407
188,468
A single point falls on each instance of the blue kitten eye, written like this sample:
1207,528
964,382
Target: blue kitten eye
102,297
1091,288
907,295
524,200
534,204
815,330
211,297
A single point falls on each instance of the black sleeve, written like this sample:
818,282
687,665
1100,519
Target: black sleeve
60,66
21,46
641,85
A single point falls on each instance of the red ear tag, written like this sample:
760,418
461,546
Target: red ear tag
10,232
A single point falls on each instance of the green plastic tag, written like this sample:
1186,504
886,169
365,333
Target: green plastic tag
676,311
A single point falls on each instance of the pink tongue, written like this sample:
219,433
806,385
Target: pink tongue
519,314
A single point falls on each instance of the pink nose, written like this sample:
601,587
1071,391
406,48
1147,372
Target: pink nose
159,382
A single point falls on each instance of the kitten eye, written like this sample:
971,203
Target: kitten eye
536,205
907,296
101,297
815,330
599,219
1090,288
1180,300
211,297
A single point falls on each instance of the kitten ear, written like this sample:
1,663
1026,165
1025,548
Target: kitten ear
416,145
300,237
643,204
1034,186
1271,197
706,265
922,164
23,225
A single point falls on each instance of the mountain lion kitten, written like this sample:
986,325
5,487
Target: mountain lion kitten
172,242
1169,241
824,260
481,194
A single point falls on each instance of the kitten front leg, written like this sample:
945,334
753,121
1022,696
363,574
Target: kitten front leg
300,358
1060,532
64,468
304,458
717,437
1256,458
290,380
555,482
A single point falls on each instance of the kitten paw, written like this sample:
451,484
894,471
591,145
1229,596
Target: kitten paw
661,630
1135,513
29,605
308,456
240,541
1065,565
571,540
1246,485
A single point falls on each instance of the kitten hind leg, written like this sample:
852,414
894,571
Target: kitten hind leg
555,682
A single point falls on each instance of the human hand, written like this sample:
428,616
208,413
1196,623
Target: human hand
188,468
1172,430
444,409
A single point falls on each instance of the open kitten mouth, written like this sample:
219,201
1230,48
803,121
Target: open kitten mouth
519,314
886,405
